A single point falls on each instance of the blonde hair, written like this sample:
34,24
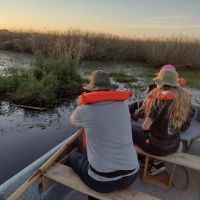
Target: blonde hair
179,107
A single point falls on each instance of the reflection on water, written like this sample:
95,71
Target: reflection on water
22,119
14,59
25,136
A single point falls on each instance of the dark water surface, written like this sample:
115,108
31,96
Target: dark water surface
25,136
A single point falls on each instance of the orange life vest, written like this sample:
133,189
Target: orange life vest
163,95
182,81
101,96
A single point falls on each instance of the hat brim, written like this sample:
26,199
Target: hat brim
161,82
91,87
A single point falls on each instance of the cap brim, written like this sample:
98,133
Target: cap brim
160,82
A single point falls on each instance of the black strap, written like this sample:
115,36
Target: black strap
112,174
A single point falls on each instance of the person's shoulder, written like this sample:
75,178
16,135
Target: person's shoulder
81,109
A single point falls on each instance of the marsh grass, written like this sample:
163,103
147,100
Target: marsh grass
48,83
192,78
122,77
83,45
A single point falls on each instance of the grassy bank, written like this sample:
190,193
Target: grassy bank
48,83
131,72
122,77
192,78
82,45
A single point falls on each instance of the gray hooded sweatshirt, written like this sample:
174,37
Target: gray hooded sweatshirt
109,137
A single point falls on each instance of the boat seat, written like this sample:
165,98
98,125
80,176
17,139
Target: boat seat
177,158
65,175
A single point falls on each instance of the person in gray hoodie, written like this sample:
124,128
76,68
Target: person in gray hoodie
110,162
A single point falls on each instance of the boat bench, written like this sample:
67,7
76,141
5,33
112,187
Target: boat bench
179,158
63,174
193,132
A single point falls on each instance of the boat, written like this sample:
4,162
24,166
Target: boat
42,178
27,179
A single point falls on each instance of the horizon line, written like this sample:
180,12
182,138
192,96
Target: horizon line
82,30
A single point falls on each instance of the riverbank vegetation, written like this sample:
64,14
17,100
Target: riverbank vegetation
49,82
53,78
83,45
192,78
122,77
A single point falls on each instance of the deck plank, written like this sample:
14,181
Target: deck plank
179,158
66,176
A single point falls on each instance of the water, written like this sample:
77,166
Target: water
25,135
13,59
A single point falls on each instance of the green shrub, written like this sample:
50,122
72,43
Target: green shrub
47,83
122,77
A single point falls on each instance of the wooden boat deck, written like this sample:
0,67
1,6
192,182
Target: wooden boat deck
175,193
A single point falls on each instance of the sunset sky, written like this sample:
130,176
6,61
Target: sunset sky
123,17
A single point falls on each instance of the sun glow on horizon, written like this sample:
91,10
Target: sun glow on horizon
133,18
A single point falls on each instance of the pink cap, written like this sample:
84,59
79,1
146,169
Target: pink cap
168,67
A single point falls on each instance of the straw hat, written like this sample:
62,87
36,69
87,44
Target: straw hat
169,78
100,80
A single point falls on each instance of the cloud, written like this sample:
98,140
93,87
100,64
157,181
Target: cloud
168,22
165,26
151,21
176,17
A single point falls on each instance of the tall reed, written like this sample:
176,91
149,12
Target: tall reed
83,45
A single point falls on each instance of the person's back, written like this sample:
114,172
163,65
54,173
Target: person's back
111,162
109,140
166,108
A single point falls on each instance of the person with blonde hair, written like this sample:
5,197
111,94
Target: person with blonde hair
166,108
